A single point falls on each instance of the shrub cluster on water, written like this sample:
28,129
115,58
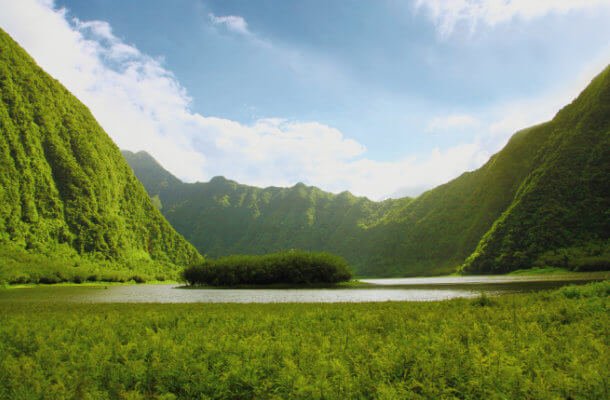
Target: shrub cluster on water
288,267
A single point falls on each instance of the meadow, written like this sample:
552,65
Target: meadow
538,345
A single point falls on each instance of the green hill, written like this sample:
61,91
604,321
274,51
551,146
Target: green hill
431,234
542,200
222,217
68,200
560,214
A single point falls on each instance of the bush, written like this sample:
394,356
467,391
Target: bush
483,300
290,267
593,263
138,279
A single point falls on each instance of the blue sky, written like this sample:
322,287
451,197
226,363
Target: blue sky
380,97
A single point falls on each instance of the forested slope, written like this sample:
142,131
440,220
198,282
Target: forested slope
542,200
65,190
222,217
561,212
429,235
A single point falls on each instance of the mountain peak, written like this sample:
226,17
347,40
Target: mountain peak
219,180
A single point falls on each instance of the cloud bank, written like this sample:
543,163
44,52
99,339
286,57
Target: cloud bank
142,106
447,14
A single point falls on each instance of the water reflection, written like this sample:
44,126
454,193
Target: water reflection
171,294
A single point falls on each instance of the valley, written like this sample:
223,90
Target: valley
118,280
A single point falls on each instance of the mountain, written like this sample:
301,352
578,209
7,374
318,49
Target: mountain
431,234
67,196
542,200
561,212
222,217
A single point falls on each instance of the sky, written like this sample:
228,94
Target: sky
383,98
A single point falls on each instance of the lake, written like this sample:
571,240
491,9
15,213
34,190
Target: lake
377,290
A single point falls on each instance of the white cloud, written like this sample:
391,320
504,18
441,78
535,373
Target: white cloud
447,14
233,23
495,124
101,29
143,107
132,96
506,118
452,122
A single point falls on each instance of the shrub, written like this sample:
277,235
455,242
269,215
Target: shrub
593,263
137,279
289,267
483,300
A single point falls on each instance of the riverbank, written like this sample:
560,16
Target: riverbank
86,284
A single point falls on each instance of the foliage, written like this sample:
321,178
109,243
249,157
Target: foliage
546,190
291,267
64,184
18,266
564,202
529,346
222,217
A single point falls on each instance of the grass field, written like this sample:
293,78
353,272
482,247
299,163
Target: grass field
543,345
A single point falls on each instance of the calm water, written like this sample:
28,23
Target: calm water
403,289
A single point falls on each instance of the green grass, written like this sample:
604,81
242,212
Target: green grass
541,345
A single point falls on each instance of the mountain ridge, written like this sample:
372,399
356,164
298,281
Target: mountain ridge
441,230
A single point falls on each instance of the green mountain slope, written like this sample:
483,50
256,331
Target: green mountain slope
65,190
542,200
443,226
561,212
222,217
432,234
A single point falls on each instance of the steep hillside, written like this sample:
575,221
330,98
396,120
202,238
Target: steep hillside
542,200
561,212
222,217
432,234
65,190
440,228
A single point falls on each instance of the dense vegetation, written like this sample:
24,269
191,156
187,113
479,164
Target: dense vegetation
18,266
561,212
67,196
222,217
541,345
289,267
543,200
